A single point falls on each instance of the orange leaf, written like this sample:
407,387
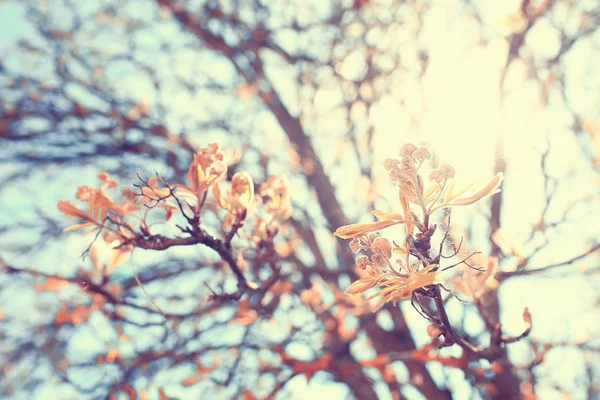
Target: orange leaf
189,381
424,356
62,316
350,231
205,370
380,215
377,362
71,210
80,314
282,287
245,314
112,355
162,395
247,395
527,316
53,284
308,368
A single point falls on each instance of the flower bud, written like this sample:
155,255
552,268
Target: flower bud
436,176
407,150
390,163
422,154
378,259
447,171
355,245
383,246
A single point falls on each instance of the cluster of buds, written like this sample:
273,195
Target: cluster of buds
415,198
125,230
404,172
373,242
393,279
440,194
206,171
442,174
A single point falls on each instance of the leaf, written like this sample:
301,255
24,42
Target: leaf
79,226
220,198
52,284
309,368
423,355
361,286
406,210
80,314
191,380
350,231
492,187
98,206
186,194
380,215
202,370
62,316
155,193
247,395
162,395
396,284
282,287
527,316
112,355
245,314
377,362
71,210
450,195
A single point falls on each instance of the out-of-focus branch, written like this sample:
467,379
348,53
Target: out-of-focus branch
503,275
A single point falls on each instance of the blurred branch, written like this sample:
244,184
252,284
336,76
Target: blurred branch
503,275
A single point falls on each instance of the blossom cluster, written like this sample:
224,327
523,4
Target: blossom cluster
397,280
441,193
121,221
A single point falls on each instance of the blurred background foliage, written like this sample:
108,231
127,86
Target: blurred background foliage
321,92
